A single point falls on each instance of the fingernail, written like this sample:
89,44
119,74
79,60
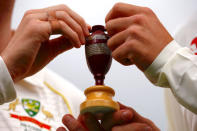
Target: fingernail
87,31
78,45
126,115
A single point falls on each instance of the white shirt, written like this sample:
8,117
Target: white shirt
7,91
38,106
176,68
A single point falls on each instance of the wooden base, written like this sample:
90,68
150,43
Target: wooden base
99,100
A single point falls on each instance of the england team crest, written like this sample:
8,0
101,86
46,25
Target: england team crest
31,106
193,46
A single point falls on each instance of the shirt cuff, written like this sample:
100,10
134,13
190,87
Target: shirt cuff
154,70
7,89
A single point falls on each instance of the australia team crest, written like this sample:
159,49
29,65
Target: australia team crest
31,106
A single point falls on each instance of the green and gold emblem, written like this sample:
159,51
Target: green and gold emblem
31,106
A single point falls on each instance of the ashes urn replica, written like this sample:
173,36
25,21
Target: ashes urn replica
99,59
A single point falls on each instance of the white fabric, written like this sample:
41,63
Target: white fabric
7,91
33,90
176,67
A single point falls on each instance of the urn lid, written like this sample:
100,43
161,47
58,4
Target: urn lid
98,27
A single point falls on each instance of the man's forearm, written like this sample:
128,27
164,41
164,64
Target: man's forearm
6,9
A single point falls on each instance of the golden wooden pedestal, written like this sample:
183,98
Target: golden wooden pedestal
99,100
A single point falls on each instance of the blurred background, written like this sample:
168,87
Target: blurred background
130,84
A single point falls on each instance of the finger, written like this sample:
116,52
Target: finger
72,124
38,24
57,26
117,118
133,32
91,122
61,129
122,10
89,27
117,25
70,34
117,40
124,54
42,16
79,20
62,15
66,9
74,15
59,45
138,118
133,127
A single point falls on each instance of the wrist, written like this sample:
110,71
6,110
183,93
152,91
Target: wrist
154,70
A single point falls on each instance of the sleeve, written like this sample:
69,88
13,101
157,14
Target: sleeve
176,67
7,90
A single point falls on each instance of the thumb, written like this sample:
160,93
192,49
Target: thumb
90,122
139,119
48,51
59,45
117,118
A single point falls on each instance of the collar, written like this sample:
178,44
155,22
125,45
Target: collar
35,80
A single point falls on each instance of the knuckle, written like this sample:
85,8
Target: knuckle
109,44
132,30
62,6
32,25
148,10
82,21
29,12
62,13
138,19
36,28
109,27
135,31
130,44
61,23
145,52
79,30
28,17
117,6
115,56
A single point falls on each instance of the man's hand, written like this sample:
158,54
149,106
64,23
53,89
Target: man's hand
126,119
138,122
30,49
137,36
